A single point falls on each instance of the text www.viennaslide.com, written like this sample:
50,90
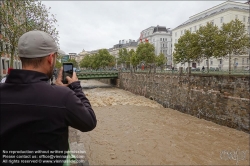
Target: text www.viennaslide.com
32,157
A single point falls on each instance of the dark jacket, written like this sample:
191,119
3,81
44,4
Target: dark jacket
35,115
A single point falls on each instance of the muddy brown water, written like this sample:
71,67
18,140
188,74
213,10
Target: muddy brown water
133,130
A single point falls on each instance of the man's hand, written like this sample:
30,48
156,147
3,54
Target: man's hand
70,80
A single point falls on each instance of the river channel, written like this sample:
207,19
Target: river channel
134,130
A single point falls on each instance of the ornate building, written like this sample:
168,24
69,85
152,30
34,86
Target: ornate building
160,37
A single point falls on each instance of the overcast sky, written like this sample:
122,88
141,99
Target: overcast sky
92,25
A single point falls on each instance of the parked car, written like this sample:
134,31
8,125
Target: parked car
247,69
78,70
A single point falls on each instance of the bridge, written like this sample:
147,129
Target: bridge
97,75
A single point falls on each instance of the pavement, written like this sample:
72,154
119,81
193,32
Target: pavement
77,148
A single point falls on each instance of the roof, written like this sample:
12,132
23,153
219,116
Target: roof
228,5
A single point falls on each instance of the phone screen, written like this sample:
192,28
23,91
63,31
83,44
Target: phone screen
67,71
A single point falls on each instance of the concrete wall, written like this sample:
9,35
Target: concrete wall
224,100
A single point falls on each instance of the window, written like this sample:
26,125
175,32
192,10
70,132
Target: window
160,39
212,22
166,39
7,48
175,34
1,46
211,62
190,29
247,60
220,61
194,28
162,45
3,64
242,61
244,18
221,20
181,32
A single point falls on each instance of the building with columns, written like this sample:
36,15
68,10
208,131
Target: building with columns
222,13
161,38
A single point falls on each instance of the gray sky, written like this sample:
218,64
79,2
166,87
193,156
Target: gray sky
91,25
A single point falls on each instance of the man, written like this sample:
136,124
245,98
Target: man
4,78
35,115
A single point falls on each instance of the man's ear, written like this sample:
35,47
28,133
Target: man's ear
50,58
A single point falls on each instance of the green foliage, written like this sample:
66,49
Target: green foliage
207,41
86,61
161,60
235,39
20,16
134,60
146,53
102,59
75,64
187,48
58,64
122,56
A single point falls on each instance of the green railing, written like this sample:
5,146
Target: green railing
97,75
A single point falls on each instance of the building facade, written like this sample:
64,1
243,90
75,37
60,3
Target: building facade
81,55
128,44
222,13
161,38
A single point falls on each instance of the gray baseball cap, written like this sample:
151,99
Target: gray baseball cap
34,44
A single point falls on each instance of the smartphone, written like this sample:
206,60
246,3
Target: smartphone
67,71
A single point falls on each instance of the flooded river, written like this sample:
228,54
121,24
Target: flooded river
133,130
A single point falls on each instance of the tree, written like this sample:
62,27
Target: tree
75,64
58,64
146,53
128,58
105,59
207,37
18,17
161,61
134,60
187,48
86,62
122,56
38,17
235,40
102,59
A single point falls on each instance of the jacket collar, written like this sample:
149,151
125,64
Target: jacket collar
26,76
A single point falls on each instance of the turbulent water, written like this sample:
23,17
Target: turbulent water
133,130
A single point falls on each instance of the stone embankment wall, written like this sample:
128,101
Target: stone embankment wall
224,100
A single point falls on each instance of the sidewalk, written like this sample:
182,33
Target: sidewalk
77,148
